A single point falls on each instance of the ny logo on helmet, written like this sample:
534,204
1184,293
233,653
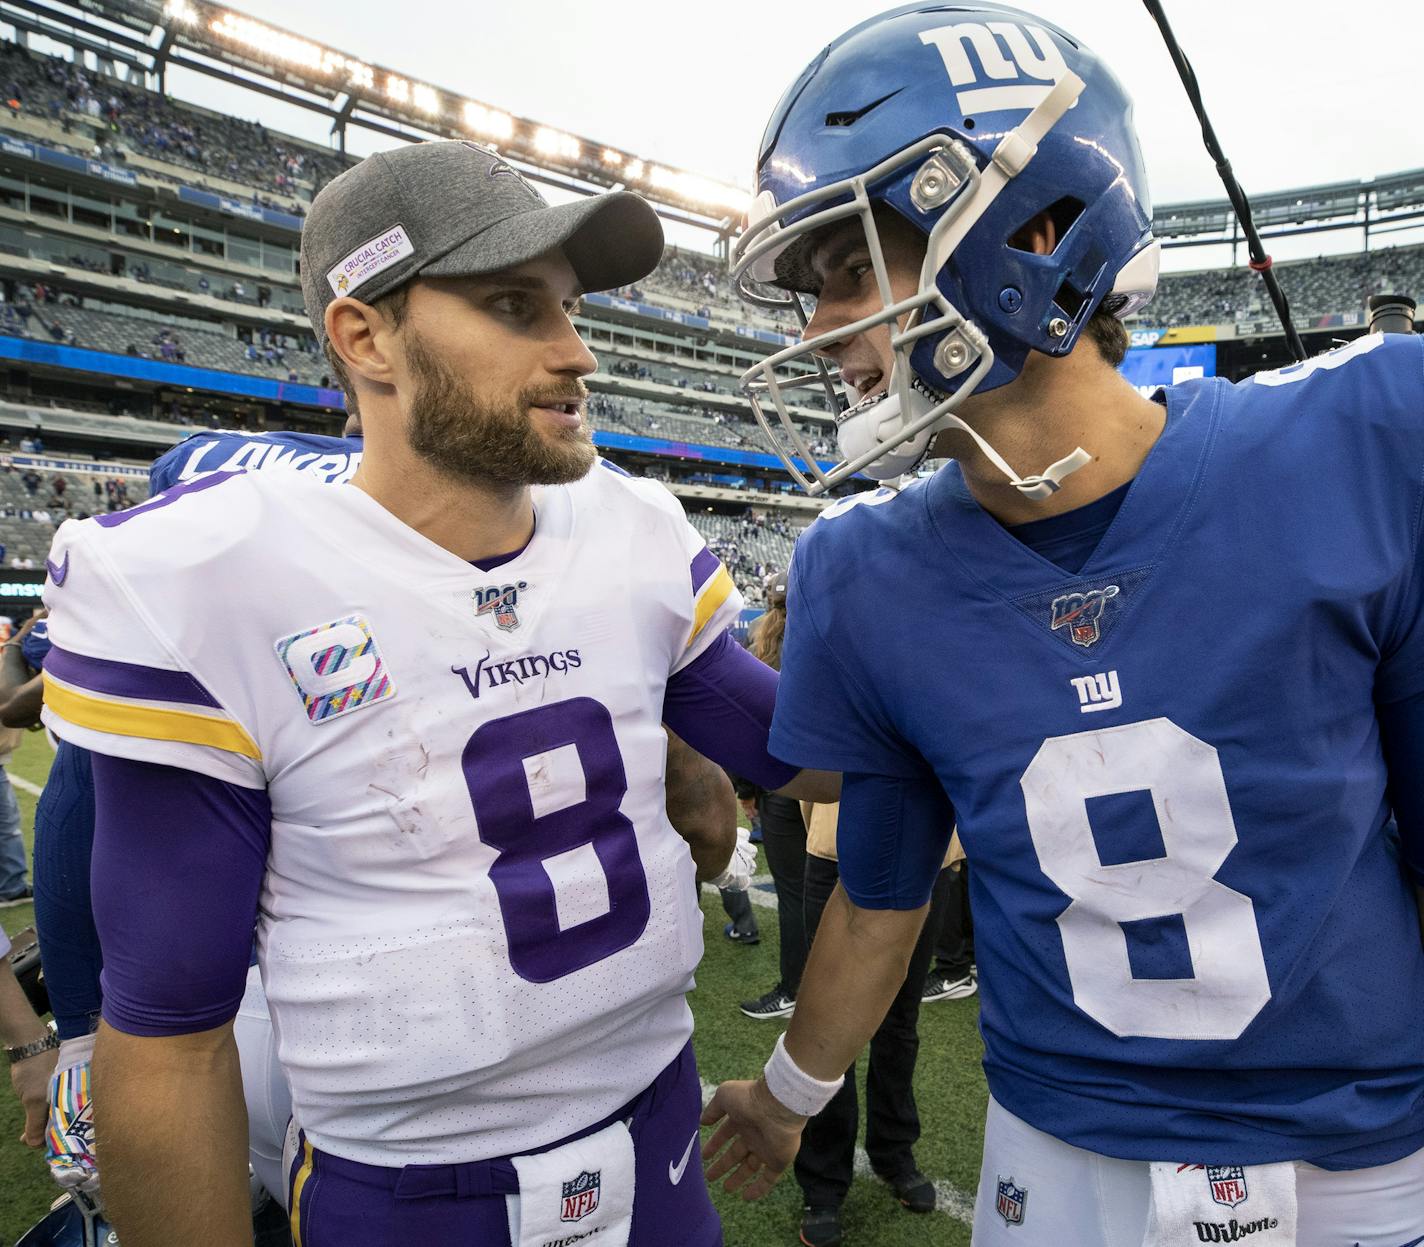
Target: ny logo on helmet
1011,60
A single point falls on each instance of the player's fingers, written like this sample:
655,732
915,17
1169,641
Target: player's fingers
744,1173
728,1161
725,1133
765,1180
714,1112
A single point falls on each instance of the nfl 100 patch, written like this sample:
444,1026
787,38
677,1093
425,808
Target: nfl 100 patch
501,603
336,668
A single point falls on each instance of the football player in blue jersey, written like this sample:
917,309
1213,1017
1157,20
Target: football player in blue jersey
1170,686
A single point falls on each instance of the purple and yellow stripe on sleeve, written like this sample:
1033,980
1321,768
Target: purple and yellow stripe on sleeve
126,699
711,586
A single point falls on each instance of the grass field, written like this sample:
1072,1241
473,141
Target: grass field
949,1088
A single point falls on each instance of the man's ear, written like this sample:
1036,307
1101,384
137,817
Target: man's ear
1039,236
362,337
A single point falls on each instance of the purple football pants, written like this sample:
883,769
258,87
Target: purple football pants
342,1203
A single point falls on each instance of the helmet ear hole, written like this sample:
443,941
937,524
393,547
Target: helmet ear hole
1061,214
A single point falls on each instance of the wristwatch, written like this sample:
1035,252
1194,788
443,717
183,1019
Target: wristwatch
25,1051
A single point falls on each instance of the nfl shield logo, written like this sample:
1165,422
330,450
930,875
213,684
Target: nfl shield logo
580,1196
1228,1184
1010,1202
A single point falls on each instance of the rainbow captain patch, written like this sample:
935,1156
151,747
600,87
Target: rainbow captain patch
336,668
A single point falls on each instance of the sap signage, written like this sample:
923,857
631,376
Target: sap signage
1150,367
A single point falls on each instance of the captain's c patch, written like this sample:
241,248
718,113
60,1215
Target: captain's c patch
336,668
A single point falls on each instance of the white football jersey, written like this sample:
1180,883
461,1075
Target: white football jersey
477,925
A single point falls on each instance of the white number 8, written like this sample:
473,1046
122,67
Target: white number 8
1229,986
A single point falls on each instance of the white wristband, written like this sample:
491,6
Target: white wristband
793,1087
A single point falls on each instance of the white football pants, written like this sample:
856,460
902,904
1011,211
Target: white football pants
1076,1198
264,1087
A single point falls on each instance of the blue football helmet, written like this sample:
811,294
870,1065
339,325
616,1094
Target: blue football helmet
968,120
73,1220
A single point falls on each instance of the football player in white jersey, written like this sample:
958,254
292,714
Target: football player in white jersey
422,750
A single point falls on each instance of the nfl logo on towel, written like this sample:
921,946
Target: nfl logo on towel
1228,1184
580,1196
1010,1202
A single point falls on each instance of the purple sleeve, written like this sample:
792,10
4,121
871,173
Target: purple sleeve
177,867
721,704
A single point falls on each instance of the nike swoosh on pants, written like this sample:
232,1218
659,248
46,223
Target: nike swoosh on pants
676,1171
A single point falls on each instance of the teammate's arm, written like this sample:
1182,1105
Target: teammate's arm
22,708
21,690
177,867
892,837
171,1125
701,807
19,1027
721,703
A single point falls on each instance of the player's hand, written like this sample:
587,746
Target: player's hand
69,1141
749,807
738,875
30,1079
760,1136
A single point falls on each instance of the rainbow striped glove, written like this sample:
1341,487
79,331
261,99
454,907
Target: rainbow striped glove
69,1140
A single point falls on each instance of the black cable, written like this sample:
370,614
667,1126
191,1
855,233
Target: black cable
1260,260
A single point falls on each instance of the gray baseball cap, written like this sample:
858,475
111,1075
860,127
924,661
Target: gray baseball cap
455,209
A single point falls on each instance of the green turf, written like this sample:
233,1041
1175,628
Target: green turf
26,1190
949,1088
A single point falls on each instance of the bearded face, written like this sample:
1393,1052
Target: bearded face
485,440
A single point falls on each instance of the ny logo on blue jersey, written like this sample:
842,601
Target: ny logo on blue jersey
1081,614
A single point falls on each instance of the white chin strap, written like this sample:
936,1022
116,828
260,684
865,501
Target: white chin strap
857,435
1037,487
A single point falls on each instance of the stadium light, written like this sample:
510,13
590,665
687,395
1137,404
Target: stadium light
553,142
292,49
489,123
219,29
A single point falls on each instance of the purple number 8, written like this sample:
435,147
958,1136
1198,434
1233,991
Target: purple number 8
493,761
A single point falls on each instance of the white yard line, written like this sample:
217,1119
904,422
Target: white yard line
951,1201
762,891
24,785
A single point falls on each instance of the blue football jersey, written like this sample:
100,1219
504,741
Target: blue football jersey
1196,938
333,459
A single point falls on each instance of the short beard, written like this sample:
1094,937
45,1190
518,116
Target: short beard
491,444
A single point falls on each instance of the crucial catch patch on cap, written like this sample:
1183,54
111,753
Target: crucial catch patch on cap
371,257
